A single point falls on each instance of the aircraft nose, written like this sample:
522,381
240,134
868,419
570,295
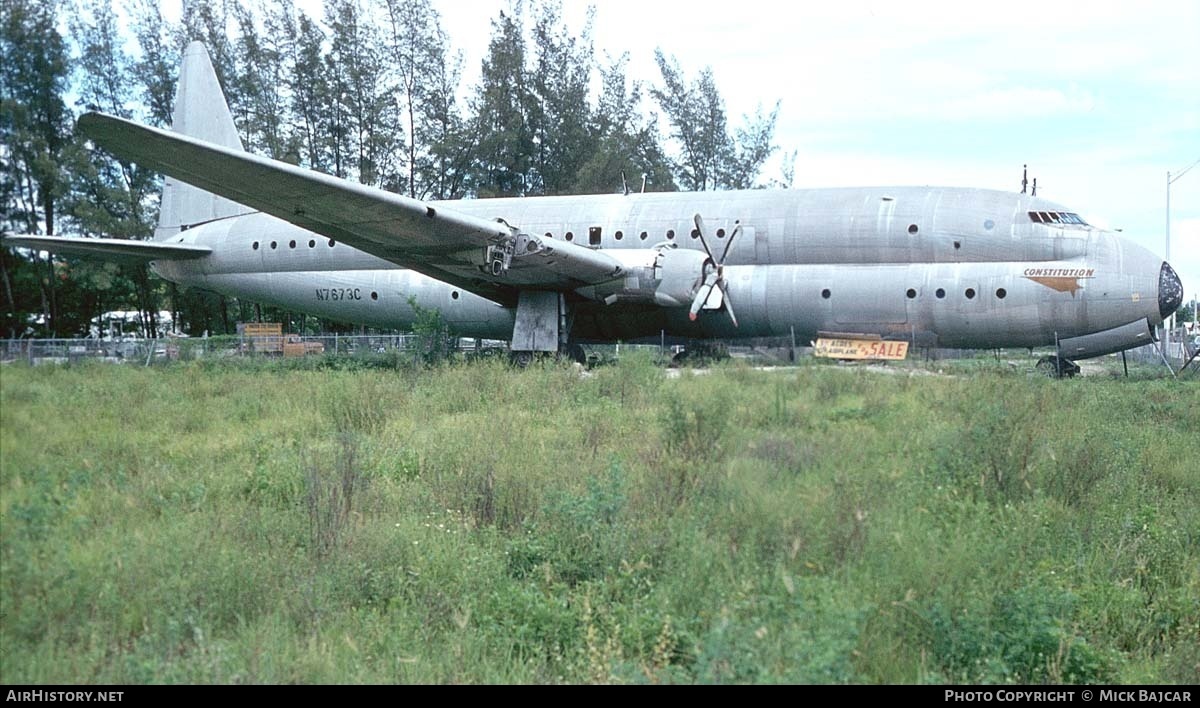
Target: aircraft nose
1170,291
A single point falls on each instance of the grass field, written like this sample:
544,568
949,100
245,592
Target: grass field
283,522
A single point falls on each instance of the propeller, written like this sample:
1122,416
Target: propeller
713,292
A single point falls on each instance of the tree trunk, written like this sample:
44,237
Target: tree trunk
225,316
10,305
51,294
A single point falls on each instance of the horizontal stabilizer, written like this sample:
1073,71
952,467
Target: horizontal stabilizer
109,249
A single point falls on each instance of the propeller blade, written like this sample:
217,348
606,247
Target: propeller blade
737,229
716,296
703,241
710,282
712,294
728,304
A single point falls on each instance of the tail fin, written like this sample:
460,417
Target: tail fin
200,112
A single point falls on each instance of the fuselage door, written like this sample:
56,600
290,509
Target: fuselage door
762,252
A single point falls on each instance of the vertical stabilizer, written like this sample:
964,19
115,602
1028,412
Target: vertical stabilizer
200,112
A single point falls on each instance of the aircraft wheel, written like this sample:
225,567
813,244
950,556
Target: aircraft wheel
700,353
1046,366
1057,367
576,353
520,359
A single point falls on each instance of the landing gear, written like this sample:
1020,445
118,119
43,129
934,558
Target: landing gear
542,327
576,353
1057,367
523,358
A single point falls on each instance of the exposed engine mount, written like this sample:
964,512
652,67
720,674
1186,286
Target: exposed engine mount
665,275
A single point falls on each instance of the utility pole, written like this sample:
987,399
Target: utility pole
1167,255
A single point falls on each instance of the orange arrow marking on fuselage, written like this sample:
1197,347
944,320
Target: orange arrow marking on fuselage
1062,285
1064,280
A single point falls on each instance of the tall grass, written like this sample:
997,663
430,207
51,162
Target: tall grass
278,522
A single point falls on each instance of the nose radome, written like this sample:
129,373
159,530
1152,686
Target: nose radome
1170,291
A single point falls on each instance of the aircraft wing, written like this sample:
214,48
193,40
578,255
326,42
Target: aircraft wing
109,249
489,258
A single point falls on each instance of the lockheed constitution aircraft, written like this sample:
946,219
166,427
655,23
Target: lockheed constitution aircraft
943,267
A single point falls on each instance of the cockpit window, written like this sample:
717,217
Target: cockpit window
1056,217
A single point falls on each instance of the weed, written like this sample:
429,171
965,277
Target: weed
1026,636
330,493
1004,429
370,521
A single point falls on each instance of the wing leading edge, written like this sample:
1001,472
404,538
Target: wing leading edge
489,258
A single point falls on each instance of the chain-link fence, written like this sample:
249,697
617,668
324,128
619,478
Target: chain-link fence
39,351
1181,348
47,351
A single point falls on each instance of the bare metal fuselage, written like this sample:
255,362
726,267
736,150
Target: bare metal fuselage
937,266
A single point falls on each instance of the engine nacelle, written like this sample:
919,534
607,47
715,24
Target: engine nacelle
678,273
665,275
1127,336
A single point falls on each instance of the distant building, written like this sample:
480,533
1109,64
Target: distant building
120,325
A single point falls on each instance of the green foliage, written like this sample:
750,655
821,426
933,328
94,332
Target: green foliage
710,157
801,630
296,522
505,151
330,491
1025,637
1001,438
694,420
435,341
587,527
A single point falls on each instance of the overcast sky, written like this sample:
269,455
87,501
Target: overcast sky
1101,99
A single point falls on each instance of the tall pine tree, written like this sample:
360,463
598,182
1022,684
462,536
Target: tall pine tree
505,153
427,77
710,157
34,131
559,116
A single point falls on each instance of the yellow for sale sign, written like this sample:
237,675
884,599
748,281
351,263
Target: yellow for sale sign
860,349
